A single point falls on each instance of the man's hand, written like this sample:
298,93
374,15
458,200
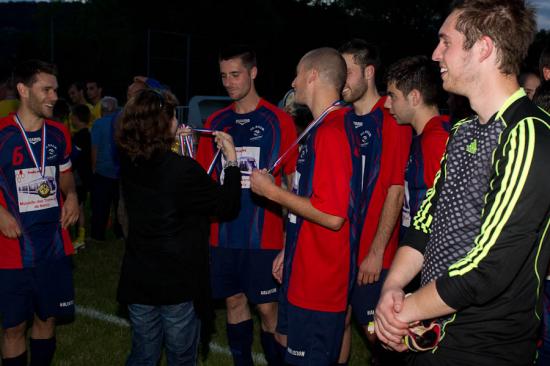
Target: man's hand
277,268
70,210
388,328
370,268
261,182
8,225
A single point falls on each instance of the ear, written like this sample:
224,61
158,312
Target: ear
414,97
313,74
23,90
486,48
368,73
253,72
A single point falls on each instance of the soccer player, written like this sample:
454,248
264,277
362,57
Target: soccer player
243,249
37,203
413,89
480,237
384,149
319,255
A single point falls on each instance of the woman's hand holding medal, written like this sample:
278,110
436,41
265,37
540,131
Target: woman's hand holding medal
226,145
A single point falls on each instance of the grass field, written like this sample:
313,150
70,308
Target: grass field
100,336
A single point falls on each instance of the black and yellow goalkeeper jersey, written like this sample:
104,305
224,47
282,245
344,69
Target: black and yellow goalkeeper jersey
484,232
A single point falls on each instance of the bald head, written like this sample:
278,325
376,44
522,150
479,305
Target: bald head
329,64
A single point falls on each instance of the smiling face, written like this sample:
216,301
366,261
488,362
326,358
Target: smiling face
356,83
456,64
41,96
236,78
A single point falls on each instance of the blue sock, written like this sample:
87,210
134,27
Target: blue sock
42,351
239,337
273,351
20,360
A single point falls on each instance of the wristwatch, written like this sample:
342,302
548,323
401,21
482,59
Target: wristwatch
229,163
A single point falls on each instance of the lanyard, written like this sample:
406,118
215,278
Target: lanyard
313,124
42,166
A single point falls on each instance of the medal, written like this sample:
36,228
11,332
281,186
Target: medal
44,189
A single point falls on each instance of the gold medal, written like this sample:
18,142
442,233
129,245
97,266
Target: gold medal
44,189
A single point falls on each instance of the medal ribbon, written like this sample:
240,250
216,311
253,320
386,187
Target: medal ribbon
313,124
42,166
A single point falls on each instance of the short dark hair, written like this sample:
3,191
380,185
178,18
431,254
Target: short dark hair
26,71
82,112
542,96
510,24
329,63
145,126
243,52
416,72
364,53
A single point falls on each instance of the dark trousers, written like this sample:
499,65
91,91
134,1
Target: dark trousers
105,194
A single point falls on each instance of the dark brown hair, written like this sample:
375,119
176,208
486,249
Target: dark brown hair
145,127
510,24
416,72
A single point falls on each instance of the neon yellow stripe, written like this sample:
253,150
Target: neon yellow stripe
511,99
502,210
422,219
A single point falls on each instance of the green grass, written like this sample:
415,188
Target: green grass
89,341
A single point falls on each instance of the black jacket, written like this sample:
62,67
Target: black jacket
169,199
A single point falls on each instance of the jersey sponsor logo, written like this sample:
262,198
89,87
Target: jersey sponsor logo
52,152
295,352
257,132
243,121
472,147
357,124
34,140
268,292
302,154
365,138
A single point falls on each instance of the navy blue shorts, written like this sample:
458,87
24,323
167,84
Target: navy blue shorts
313,337
233,271
364,300
45,290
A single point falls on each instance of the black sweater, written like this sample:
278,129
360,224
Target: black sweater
168,200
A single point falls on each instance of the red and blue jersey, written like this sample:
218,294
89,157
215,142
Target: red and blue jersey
260,137
22,193
319,262
384,149
427,150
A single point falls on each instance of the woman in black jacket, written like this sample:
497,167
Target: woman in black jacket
169,198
